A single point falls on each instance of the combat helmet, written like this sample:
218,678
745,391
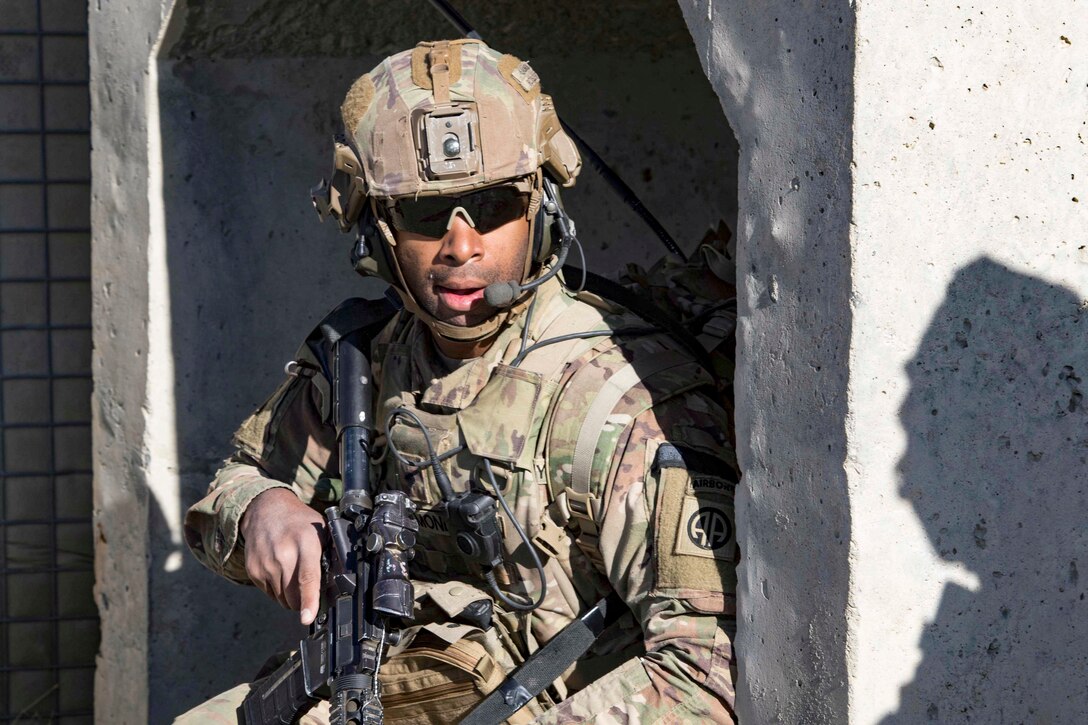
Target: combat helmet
446,118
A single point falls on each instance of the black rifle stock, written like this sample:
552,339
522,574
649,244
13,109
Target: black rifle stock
365,577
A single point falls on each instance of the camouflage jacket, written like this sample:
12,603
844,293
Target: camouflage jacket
655,525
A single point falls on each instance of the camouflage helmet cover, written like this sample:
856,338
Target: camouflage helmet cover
449,117
444,119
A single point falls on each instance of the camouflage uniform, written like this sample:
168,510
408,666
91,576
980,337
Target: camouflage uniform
672,660
610,450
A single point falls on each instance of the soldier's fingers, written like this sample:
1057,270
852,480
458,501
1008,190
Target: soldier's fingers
258,573
289,597
309,581
267,579
265,573
289,582
274,588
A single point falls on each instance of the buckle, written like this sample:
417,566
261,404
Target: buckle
561,510
584,505
549,538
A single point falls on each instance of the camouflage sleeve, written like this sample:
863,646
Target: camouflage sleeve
669,548
284,444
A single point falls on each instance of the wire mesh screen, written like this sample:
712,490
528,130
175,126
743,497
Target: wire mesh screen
48,620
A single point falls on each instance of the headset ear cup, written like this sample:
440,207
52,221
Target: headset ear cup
348,193
541,236
372,254
369,236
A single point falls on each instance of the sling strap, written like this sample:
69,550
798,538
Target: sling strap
547,664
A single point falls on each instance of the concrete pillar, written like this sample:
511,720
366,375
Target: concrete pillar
911,255
784,75
121,36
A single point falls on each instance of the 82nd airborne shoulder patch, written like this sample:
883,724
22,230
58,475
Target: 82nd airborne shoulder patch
695,537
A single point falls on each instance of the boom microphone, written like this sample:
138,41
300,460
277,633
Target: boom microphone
503,294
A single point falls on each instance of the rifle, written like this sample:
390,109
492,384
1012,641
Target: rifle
365,565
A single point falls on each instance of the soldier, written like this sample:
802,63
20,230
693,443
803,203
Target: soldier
601,433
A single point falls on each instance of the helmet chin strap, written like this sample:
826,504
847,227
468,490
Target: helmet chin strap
457,333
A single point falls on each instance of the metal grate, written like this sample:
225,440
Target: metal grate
48,619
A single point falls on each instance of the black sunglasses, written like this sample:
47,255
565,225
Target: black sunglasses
488,209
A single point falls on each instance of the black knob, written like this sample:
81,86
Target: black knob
467,544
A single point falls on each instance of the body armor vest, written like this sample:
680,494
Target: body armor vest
504,423
534,423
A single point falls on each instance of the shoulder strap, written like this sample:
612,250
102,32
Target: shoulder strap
355,313
602,406
571,481
575,500
316,352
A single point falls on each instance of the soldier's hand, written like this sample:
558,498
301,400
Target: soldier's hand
283,550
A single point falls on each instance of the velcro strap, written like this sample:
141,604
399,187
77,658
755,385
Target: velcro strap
670,455
440,72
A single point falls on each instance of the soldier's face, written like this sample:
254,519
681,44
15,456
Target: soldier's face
447,276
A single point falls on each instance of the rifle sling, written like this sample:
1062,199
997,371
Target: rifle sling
355,313
547,664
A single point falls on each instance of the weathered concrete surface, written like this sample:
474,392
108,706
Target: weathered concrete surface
357,28
121,37
968,432
912,269
783,73
921,306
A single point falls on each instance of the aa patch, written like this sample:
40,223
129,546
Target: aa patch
707,529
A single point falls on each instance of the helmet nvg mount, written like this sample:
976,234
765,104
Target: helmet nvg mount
445,118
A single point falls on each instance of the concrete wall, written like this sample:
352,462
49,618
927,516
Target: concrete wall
968,433
121,39
227,267
783,73
912,248
912,271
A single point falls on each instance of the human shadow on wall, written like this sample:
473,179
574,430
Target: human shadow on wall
995,470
